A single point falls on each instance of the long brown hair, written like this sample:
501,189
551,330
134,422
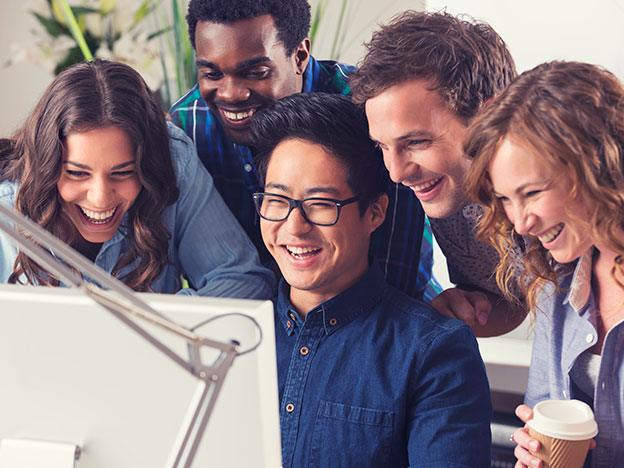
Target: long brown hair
572,115
84,97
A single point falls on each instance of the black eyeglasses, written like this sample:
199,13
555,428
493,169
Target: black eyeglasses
315,210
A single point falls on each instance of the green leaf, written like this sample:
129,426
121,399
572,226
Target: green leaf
74,55
158,33
339,34
141,13
52,27
75,29
79,10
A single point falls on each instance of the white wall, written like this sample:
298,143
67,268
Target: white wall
363,18
537,31
20,84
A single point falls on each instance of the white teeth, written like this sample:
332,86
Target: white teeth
550,235
426,185
297,251
238,115
98,217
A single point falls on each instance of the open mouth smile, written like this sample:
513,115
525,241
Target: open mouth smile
551,234
301,252
237,117
426,186
97,217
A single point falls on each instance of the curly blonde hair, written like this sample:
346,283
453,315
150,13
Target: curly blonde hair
572,115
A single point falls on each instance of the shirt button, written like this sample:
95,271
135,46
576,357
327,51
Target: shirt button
304,350
290,407
603,385
289,324
333,322
291,316
248,167
589,338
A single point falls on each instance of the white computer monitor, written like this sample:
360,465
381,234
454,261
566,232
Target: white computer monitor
73,373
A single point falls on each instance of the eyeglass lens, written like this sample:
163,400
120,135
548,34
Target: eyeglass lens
316,210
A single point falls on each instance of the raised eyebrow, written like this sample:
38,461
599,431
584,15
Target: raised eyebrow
415,134
282,187
244,64
205,64
78,165
123,165
532,186
84,166
312,191
529,185
323,190
252,61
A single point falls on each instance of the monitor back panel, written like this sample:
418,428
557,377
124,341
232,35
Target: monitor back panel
72,372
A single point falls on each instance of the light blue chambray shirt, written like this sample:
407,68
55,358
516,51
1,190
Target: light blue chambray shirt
565,328
207,243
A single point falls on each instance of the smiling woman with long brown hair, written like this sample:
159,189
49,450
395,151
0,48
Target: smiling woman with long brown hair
97,165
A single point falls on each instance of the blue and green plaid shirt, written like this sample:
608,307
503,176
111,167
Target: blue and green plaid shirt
397,244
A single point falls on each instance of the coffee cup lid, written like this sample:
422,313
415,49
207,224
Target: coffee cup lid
564,419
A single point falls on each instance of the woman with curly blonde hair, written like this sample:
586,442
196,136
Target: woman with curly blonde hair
548,165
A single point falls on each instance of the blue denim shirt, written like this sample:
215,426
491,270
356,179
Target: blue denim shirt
565,327
207,243
373,378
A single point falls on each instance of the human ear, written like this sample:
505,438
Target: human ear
377,211
301,56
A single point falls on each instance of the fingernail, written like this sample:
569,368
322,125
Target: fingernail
533,446
535,462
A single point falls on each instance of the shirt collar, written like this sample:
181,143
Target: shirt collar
580,287
337,311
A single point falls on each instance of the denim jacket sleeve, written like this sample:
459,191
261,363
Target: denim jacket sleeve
8,250
451,409
212,249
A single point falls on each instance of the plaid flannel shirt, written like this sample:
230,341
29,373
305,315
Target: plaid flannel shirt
397,245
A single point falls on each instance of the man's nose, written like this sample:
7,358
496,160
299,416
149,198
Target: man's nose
232,90
296,224
399,167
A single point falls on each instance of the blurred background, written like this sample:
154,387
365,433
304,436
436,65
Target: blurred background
145,33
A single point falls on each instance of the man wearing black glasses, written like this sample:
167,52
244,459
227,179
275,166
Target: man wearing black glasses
367,375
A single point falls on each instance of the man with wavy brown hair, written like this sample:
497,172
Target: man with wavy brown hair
423,79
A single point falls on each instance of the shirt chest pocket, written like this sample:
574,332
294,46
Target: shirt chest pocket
351,436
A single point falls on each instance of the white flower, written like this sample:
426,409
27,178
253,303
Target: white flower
114,26
122,16
138,52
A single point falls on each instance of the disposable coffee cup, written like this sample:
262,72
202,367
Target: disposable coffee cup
565,429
